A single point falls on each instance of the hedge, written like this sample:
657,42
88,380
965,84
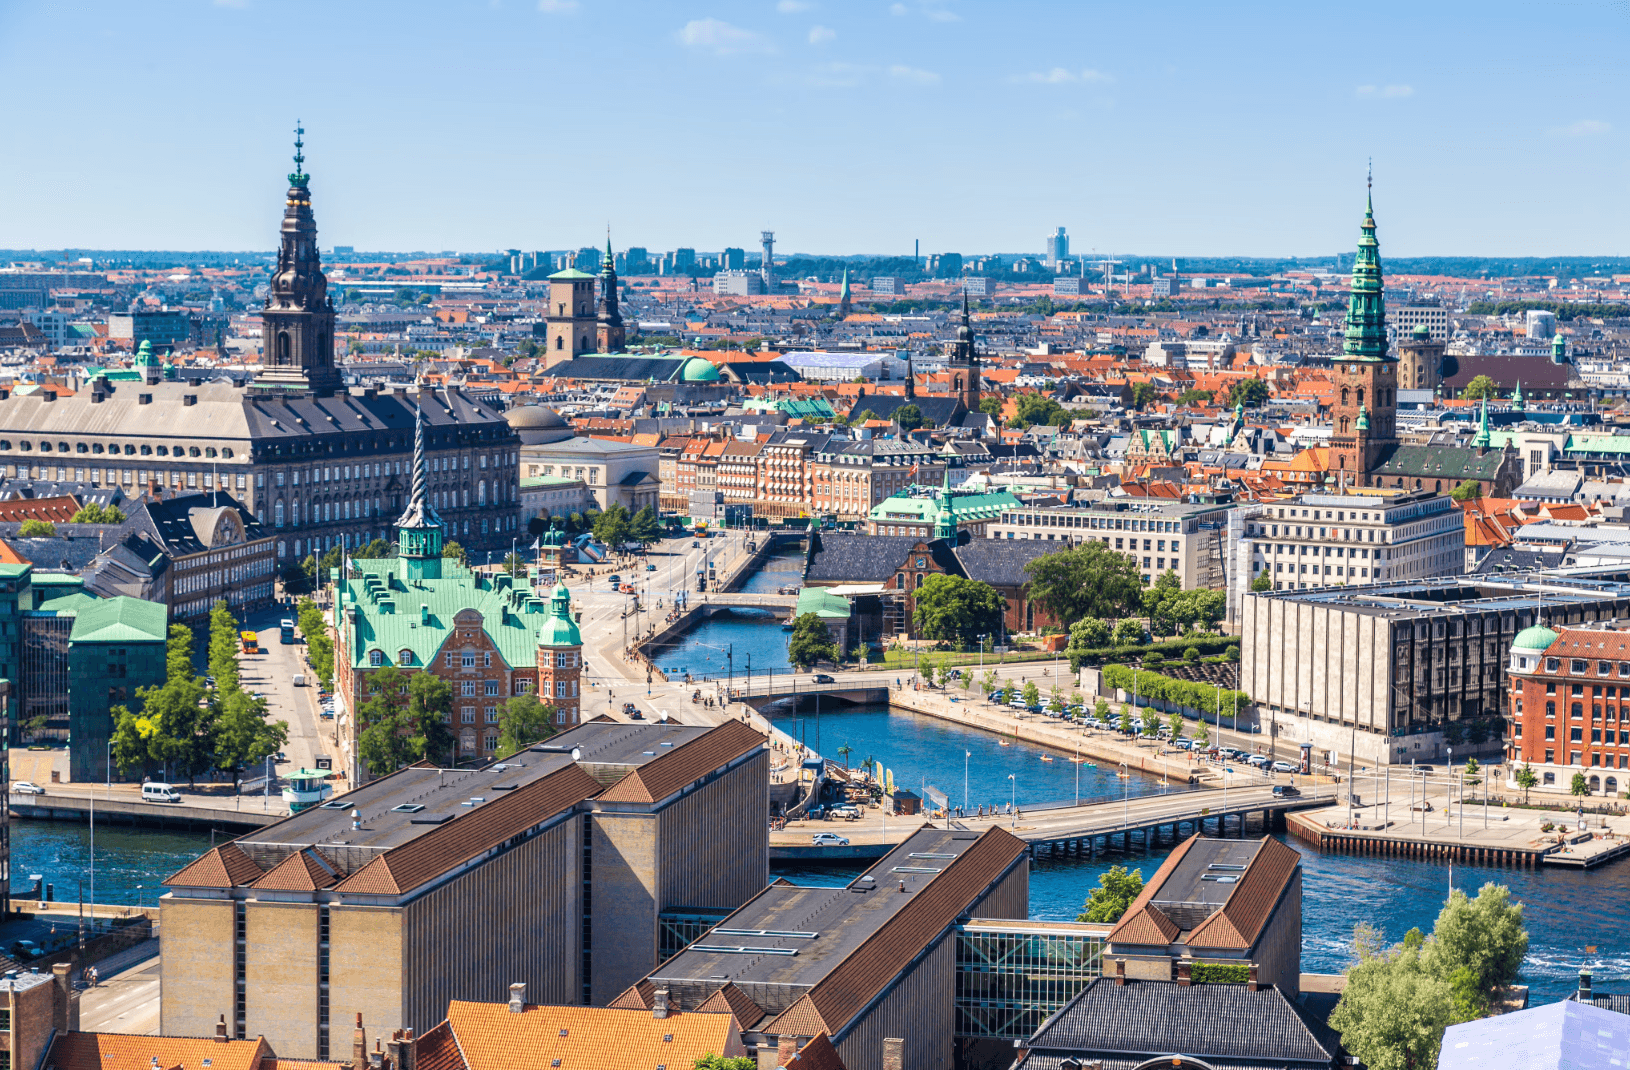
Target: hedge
1153,685
1169,648
1219,973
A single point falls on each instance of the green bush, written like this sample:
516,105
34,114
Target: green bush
1196,695
1219,973
1224,645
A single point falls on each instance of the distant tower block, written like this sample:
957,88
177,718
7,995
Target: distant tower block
768,237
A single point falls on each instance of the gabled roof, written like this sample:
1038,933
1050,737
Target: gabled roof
635,998
225,866
684,765
124,1051
816,1054
844,558
1239,923
402,869
1001,562
437,1049
732,1000
1440,462
492,1037
303,871
1143,923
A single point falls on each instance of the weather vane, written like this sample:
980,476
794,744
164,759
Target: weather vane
299,147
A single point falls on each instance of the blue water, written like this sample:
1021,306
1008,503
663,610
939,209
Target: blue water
783,568
750,638
129,862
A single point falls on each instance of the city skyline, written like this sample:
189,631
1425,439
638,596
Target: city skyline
841,127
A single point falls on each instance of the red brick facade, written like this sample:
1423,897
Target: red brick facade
1570,709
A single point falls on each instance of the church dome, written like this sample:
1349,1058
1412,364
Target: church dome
537,425
1538,637
697,370
560,629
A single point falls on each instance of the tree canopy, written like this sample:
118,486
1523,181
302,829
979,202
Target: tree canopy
523,721
36,529
958,610
811,642
94,513
1115,892
1143,394
1250,392
1170,608
1033,409
1089,580
909,417
1480,387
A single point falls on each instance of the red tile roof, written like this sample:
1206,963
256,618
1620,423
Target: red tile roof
682,766
733,1000
225,866
302,871
817,1054
1238,924
1143,923
437,1050
492,1037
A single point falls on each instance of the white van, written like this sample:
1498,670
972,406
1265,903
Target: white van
159,793
299,679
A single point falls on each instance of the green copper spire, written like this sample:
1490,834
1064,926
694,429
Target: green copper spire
559,629
299,177
1517,404
1365,337
1559,350
1481,440
945,517
144,355
1363,418
419,529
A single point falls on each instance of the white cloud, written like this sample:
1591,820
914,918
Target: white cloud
721,38
1385,92
913,75
1061,76
897,9
792,7
557,7
820,35
1583,128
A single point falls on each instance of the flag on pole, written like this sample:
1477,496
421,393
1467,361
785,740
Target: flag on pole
536,543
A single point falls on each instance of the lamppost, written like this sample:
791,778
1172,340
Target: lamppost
965,756
1012,801
1126,800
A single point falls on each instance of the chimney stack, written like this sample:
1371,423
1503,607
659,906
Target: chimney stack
786,1048
517,997
659,1003
1185,973
359,1046
220,1030
400,1049
1120,971
1584,987
64,1001
1253,982
376,1058
893,1055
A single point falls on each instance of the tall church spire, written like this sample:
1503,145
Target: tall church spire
297,323
1365,337
609,320
963,363
419,529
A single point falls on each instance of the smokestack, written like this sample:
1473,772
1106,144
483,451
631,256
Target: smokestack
659,1003
517,997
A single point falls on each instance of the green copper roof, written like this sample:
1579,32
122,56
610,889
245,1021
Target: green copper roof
1363,418
1516,399
560,629
1537,637
1559,350
1597,444
389,618
923,510
1482,437
144,355
119,620
822,603
1365,336
697,370
569,274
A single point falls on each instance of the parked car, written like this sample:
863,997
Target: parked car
822,678
1282,766
1017,701
1258,760
1285,791
998,696
27,787
829,839
848,813
159,793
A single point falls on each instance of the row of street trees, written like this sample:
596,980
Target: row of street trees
185,726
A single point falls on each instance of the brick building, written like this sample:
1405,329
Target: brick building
490,638
1566,716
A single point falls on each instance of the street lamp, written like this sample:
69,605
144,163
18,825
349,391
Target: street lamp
965,756
1012,803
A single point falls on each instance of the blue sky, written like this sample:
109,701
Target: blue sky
1175,128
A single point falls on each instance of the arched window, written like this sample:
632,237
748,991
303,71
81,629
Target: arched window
376,658
404,657
1344,395
1361,395
1595,785
481,492
277,513
560,343
282,347
1612,785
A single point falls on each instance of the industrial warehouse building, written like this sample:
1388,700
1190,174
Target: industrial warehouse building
558,868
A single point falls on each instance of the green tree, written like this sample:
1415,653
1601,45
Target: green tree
1151,722
319,647
94,513
645,528
1032,693
1100,709
430,716
811,642
1251,392
1129,631
990,405
1202,734
223,647
1089,633
1089,580
1143,394
863,417
1174,721
1034,409
1262,582
376,550
1484,935
1393,1012
957,610
719,1062
1526,779
382,728
514,564
175,725
1126,719
1480,387
243,736
1472,770
991,682
1195,397
36,529
1467,490
909,418
613,527
452,550
1116,891
523,721
1578,786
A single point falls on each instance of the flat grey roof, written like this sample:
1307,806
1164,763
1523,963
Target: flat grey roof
1204,879
434,796
792,935
1460,594
618,743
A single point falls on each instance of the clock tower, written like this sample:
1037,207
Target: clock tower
1366,379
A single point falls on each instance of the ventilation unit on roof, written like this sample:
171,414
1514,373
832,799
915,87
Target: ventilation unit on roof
407,808
336,804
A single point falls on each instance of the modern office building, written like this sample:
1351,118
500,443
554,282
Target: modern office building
1189,538
1345,540
1058,248
557,868
1398,671
115,647
1435,318
870,961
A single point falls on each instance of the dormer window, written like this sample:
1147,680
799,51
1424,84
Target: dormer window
376,658
404,657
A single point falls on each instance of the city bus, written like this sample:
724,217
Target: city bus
251,642
288,631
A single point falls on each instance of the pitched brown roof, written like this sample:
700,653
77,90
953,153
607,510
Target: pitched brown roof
1143,923
492,1037
842,994
225,866
438,1050
1240,921
733,1000
683,766
404,868
816,1054
302,871
125,1051
637,998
